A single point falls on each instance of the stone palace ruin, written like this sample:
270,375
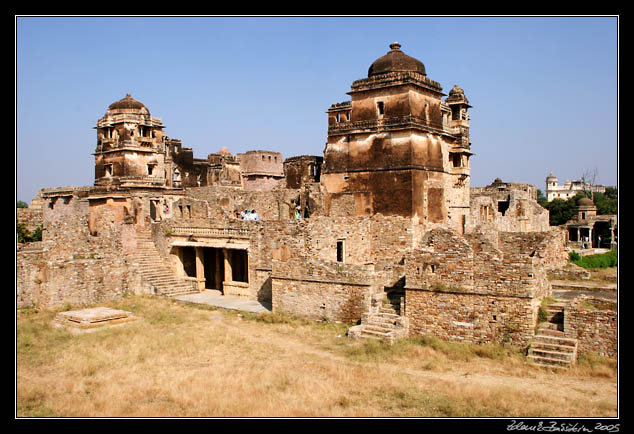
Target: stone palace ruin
383,231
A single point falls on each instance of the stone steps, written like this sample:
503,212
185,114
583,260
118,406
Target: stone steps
385,326
550,346
151,267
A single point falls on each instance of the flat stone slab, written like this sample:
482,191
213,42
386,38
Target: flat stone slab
216,299
93,317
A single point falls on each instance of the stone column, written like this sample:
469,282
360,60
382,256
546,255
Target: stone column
228,272
200,268
180,270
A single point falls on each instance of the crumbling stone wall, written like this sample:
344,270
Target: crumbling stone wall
594,322
477,318
507,207
331,267
301,170
31,218
478,288
278,204
318,289
30,273
73,266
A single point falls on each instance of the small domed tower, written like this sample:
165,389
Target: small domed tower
130,146
585,208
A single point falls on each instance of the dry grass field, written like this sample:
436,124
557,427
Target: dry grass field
181,360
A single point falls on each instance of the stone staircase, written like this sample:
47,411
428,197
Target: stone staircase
153,270
551,347
384,323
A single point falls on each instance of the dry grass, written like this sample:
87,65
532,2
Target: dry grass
183,360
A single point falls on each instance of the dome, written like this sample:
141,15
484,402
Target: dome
585,202
128,103
396,61
456,95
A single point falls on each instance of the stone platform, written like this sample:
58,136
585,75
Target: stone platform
216,299
92,318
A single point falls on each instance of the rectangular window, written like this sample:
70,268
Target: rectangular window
456,160
340,250
380,108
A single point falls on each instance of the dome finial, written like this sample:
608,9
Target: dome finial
395,46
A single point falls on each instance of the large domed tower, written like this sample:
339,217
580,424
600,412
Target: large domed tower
130,146
397,148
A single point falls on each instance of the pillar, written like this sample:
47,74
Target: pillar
228,272
200,268
180,270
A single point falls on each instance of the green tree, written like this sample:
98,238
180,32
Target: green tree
25,236
541,199
607,203
562,210
21,204
23,233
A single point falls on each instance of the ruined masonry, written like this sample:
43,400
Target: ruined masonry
383,231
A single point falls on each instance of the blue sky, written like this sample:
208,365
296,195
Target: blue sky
544,90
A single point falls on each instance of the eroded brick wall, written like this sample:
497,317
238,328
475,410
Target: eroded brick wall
476,318
73,266
479,288
594,322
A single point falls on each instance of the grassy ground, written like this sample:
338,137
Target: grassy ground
182,360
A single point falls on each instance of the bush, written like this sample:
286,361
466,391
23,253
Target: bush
605,260
574,256
26,236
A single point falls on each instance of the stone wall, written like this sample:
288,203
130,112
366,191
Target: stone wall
507,207
474,265
72,265
479,288
477,318
330,267
594,322
30,273
270,205
31,218
320,290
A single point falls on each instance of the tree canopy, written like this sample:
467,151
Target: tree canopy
563,210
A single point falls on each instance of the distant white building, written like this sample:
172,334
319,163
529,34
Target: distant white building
569,189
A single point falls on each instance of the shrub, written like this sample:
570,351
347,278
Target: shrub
605,260
574,256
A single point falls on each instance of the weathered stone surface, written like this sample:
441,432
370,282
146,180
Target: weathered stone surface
387,212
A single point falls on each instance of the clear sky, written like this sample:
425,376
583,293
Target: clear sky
544,90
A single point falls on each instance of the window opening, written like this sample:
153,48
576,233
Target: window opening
380,105
456,160
340,250
503,206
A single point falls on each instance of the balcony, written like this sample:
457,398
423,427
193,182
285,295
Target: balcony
392,123
217,232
